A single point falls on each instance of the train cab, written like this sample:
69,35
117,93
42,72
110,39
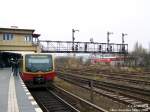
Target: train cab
37,69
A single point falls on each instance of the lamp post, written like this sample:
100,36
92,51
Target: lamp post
108,40
73,38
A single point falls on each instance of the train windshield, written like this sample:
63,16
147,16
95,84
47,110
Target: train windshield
35,63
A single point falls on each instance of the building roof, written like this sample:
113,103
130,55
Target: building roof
16,30
35,35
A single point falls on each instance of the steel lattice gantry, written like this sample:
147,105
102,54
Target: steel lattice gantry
82,47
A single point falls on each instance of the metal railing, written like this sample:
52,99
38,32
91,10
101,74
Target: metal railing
82,47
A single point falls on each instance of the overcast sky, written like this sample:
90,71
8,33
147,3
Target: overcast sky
54,19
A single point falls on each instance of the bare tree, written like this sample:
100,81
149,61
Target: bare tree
140,55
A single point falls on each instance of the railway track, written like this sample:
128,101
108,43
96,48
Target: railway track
97,70
124,94
50,101
133,79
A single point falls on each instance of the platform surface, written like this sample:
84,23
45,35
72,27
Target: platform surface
14,96
4,86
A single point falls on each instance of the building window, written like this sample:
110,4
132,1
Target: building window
7,36
28,38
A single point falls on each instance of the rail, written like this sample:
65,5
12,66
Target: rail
50,102
108,87
95,107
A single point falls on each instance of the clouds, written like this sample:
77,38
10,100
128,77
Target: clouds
54,19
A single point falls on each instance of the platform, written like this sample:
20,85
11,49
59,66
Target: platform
14,95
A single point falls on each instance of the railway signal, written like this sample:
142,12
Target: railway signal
100,48
73,38
84,47
123,47
108,40
123,34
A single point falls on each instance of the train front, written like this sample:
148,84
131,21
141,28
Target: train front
38,69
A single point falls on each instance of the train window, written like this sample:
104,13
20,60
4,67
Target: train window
37,60
35,63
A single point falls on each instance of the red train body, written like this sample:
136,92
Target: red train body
37,69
